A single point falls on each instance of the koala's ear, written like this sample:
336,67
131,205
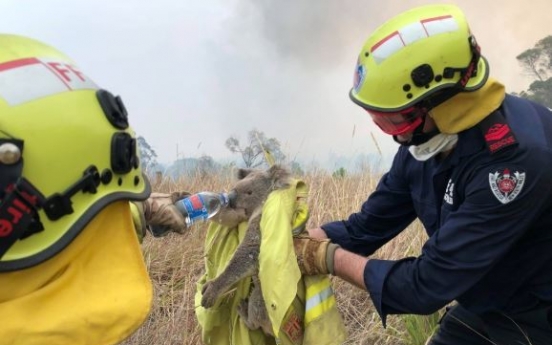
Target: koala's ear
280,176
241,173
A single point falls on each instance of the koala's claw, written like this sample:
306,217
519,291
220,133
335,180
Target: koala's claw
243,309
209,295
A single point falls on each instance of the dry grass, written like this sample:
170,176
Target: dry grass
176,263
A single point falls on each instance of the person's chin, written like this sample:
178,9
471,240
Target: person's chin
404,139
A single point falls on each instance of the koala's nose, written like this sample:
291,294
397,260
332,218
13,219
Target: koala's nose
232,196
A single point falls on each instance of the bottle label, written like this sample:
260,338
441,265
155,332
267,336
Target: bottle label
196,208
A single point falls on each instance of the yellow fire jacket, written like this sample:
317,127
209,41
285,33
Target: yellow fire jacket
302,309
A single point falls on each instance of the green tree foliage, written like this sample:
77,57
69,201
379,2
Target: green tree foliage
340,173
192,167
538,62
207,166
296,169
148,157
252,151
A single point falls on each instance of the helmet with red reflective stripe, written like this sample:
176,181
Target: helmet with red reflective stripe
66,152
420,58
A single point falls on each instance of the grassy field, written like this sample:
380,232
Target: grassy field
175,264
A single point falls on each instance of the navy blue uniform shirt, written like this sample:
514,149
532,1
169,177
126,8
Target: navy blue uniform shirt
488,216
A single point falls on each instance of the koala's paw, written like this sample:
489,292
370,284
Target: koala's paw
209,294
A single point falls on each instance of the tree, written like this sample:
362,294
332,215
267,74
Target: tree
296,169
148,157
339,173
538,62
207,166
252,151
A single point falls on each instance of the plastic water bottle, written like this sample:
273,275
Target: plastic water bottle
201,206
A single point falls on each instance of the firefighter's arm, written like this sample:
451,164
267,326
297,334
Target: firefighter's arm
158,214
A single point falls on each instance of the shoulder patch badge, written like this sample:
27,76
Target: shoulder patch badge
497,132
506,185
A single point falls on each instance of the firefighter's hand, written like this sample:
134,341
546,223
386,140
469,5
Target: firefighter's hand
161,214
314,256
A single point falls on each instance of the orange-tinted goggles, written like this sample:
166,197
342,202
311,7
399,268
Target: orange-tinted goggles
397,123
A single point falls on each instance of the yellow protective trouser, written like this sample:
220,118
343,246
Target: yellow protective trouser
302,309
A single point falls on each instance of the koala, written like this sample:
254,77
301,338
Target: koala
246,202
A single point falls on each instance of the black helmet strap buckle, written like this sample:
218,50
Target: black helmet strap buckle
58,205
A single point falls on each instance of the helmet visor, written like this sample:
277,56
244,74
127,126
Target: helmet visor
397,123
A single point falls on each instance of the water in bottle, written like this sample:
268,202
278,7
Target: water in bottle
201,206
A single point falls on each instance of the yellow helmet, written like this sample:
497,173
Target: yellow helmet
424,55
66,152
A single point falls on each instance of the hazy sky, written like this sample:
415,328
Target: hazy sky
194,72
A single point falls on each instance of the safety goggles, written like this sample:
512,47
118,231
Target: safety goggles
400,122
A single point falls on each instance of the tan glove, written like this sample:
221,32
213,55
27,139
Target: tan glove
314,256
161,214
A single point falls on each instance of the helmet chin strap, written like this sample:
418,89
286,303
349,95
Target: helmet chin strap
418,136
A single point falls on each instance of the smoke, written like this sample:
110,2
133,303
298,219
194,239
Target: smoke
196,72
293,62
504,30
328,33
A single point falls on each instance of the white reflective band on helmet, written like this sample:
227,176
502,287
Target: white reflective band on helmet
320,298
410,34
28,79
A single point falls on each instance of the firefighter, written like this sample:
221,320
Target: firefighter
71,266
474,166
